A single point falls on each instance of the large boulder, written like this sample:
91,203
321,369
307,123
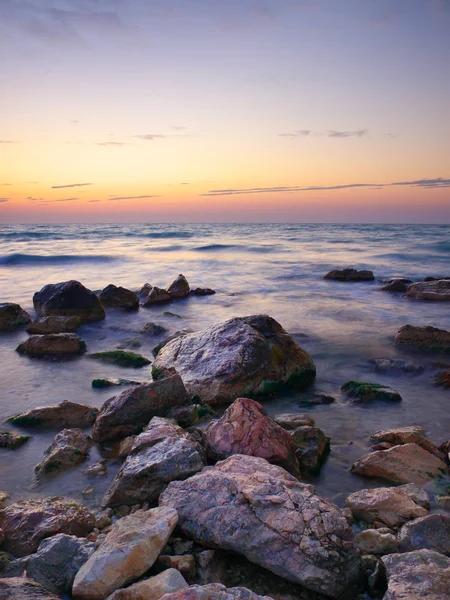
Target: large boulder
26,523
179,288
256,509
130,411
21,588
12,316
408,463
69,448
114,296
350,275
390,506
162,453
153,588
407,435
128,551
427,339
430,290
245,428
419,575
213,591
58,416
67,299
58,560
52,345
432,531
55,324
241,357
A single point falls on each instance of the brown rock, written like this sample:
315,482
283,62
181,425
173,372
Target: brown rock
430,290
64,414
67,299
184,563
12,440
55,324
214,591
427,339
69,448
350,275
119,297
154,588
293,420
374,541
53,344
12,316
179,288
157,296
407,435
311,447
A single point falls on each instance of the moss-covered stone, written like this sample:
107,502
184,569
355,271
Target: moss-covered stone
121,358
363,391
110,382
12,440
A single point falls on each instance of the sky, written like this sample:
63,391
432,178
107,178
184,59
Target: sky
224,111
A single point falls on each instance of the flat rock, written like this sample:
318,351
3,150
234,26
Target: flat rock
69,448
157,296
67,299
241,357
55,324
64,414
114,296
121,358
11,440
293,420
202,292
373,541
256,509
159,455
130,411
350,275
436,291
363,392
245,428
214,591
20,588
432,531
408,463
391,506
12,316
52,345
391,365
153,588
407,435
426,339
417,575
311,447
179,288
128,551
26,523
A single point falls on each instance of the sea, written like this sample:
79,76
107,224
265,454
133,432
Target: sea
276,269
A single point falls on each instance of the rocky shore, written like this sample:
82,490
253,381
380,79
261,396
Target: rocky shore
214,497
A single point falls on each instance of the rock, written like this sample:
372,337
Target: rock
64,414
103,518
311,448
245,428
12,440
427,339
202,292
119,297
185,564
417,494
350,275
293,420
144,290
3,498
408,463
432,531
154,588
237,358
174,336
69,448
55,324
391,506
129,413
121,358
125,446
98,469
161,454
179,288
153,329
67,299
387,365
129,550
256,509
100,384
12,316
373,541
417,575
26,523
442,379
408,435
214,591
443,502
20,588
394,279
58,560
157,296
395,286
430,290
187,416
320,399
362,391
52,344
130,343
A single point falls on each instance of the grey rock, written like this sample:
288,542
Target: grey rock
432,531
20,588
69,448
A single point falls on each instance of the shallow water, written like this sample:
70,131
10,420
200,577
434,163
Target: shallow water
274,269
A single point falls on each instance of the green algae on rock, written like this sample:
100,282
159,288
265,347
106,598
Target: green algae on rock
107,382
121,358
426,339
12,440
362,391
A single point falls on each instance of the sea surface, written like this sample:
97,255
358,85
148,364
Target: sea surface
274,269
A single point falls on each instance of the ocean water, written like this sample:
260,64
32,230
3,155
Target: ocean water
274,269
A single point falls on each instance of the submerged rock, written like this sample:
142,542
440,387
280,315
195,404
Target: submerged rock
64,414
55,324
26,523
202,292
119,297
249,506
427,339
153,588
129,550
408,463
153,329
311,447
21,588
69,298
245,428
396,285
293,420
12,316
362,391
112,382
121,358
162,453
350,275
11,440
241,357
388,365
52,345
69,448
157,296
130,411
179,288
430,290
432,531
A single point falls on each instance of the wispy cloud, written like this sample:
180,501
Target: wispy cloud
4,199
131,197
4,184
70,185
297,134
160,136
7,142
331,133
115,144
345,134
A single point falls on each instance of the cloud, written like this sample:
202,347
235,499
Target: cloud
4,199
70,185
32,199
332,133
116,144
131,197
297,134
346,134
159,136
7,142
423,183
4,184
